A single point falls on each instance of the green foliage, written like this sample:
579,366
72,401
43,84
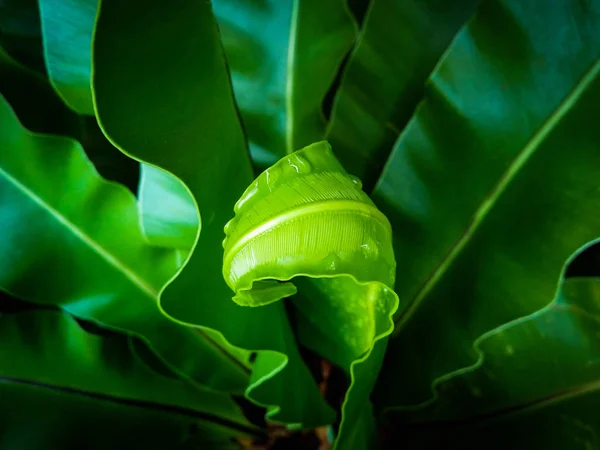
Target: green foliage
535,382
492,193
83,250
67,387
249,251
399,44
297,208
283,57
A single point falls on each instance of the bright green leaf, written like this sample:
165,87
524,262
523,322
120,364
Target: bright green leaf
168,213
162,94
399,44
72,239
486,187
64,388
306,217
284,56
67,27
535,385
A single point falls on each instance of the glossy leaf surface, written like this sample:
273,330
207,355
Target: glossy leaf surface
67,27
167,209
190,127
41,109
284,56
306,217
539,373
399,44
64,388
484,186
59,217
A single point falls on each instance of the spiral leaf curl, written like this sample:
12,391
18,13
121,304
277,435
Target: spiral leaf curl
306,223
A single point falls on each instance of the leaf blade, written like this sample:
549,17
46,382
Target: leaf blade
198,138
67,29
507,390
493,129
49,362
275,49
168,215
306,224
398,47
39,176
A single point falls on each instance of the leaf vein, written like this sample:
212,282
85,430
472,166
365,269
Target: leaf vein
490,200
89,241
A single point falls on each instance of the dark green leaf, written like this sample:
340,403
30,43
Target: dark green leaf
586,263
493,184
20,33
19,18
163,95
72,239
34,100
68,27
399,44
66,389
535,384
108,160
283,55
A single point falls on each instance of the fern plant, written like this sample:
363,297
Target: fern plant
242,223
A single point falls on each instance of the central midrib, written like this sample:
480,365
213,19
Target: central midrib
87,240
531,406
289,82
342,206
490,200
144,287
152,405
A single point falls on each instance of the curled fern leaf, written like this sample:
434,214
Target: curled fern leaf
306,225
304,216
